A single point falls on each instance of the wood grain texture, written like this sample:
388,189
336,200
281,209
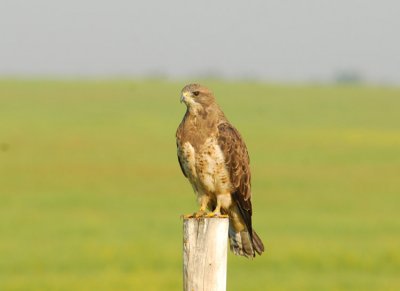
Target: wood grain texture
205,254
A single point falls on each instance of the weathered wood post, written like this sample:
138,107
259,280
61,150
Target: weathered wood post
205,243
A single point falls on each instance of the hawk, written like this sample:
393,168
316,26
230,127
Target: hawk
214,158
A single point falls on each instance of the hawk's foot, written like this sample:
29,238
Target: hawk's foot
200,213
216,215
197,214
186,216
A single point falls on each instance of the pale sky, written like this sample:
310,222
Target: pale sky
279,40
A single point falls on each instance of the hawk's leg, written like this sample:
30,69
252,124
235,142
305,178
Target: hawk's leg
221,200
204,199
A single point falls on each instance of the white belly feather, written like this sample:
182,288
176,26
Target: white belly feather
206,168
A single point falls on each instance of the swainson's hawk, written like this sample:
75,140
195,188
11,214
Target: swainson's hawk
214,158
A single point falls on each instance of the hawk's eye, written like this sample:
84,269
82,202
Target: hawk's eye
196,93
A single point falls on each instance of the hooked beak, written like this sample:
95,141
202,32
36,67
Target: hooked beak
185,97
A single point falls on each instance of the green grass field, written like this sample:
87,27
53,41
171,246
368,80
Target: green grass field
91,191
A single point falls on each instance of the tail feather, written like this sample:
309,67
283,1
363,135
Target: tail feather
242,244
257,243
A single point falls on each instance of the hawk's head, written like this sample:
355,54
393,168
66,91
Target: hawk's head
197,96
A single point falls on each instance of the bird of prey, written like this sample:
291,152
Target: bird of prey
214,158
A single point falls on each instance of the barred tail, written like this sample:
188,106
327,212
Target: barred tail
242,244
257,243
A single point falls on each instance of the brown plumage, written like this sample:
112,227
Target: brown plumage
214,158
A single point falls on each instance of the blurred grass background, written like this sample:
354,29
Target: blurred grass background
91,191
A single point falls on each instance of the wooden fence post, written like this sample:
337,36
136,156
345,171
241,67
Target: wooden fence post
205,242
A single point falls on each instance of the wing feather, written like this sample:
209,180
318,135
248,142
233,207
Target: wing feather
237,162
178,136
180,162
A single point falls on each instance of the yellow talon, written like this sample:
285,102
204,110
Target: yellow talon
204,214
217,215
198,214
211,214
186,216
